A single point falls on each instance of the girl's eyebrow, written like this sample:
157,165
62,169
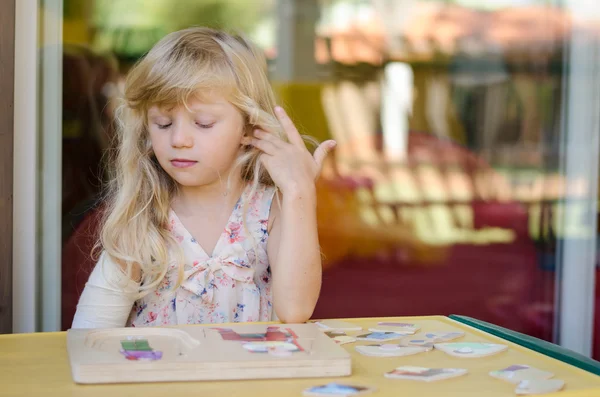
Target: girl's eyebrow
157,118
152,112
208,106
155,110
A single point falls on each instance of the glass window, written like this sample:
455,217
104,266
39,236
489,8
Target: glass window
465,178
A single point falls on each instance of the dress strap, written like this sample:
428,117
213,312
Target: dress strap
267,201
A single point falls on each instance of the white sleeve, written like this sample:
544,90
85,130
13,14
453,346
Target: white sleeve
107,298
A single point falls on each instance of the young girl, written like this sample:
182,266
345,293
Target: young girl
195,230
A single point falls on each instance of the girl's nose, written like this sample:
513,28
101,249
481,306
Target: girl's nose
181,137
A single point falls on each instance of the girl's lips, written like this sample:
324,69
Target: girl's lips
183,163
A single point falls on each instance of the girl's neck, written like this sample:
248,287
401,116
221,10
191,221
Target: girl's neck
190,199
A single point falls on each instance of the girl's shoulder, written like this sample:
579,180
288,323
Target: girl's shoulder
259,190
257,203
260,196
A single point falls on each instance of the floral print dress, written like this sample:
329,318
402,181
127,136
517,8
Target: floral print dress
232,285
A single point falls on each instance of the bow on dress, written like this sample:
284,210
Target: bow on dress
233,261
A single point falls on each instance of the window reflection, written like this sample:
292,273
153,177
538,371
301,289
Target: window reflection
444,194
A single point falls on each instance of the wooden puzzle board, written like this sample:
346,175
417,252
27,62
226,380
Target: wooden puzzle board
191,353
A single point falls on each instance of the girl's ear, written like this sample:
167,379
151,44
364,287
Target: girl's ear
249,129
246,135
246,140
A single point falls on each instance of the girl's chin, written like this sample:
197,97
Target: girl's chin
207,177
191,181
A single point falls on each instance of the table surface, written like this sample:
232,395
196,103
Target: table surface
37,364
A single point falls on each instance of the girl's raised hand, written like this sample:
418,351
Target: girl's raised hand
291,166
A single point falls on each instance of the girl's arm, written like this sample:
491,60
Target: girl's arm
294,256
293,245
107,298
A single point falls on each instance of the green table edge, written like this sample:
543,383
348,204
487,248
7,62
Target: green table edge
535,344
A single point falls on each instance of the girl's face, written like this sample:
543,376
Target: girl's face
198,146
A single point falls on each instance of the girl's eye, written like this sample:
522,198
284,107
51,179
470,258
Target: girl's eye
163,126
206,126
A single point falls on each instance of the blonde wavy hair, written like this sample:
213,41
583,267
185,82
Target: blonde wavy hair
191,62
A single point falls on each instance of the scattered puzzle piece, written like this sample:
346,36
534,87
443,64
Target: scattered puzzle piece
440,337
380,336
389,350
530,387
337,389
340,337
429,339
337,325
517,373
418,342
401,328
470,349
425,374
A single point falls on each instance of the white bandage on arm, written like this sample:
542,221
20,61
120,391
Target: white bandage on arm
107,298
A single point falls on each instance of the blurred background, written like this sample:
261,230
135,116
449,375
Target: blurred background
465,178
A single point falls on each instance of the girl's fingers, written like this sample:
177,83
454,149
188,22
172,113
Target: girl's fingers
322,152
265,136
265,146
289,127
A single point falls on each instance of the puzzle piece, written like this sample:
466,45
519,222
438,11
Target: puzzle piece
380,336
517,373
425,374
401,328
389,350
337,389
340,337
138,349
529,387
469,349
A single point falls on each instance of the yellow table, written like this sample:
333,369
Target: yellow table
37,365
